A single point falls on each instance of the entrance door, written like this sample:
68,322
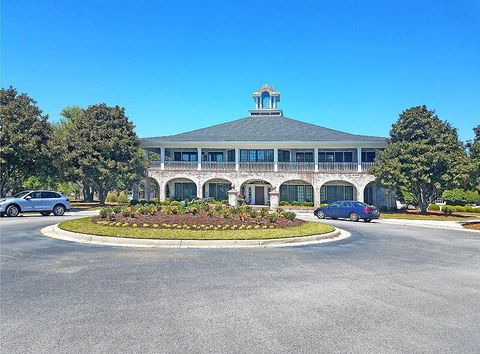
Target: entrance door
259,195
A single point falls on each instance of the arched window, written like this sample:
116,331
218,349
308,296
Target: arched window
266,100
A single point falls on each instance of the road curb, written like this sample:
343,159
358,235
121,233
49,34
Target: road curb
54,231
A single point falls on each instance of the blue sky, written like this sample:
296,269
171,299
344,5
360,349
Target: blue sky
176,66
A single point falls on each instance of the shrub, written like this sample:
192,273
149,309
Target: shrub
116,209
308,204
433,207
224,202
273,217
241,201
192,209
295,203
263,212
165,202
448,209
459,196
128,212
469,209
134,202
143,209
290,215
152,209
122,198
153,200
459,208
283,203
174,203
383,208
107,213
112,197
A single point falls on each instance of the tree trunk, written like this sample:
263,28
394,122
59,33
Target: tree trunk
102,195
423,207
87,192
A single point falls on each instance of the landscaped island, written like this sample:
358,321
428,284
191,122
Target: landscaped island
197,221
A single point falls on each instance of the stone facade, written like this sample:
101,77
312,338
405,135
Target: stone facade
275,179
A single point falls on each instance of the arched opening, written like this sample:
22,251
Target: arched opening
266,99
296,191
256,192
217,189
149,188
373,194
180,189
369,194
337,190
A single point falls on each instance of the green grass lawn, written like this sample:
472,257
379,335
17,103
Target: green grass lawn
438,217
85,226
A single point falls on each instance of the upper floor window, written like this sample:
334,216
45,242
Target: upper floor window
266,100
368,156
184,156
256,155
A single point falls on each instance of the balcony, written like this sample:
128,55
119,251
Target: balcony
338,166
218,165
296,166
323,167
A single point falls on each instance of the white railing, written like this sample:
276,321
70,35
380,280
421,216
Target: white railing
257,166
181,165
337,166
366,166
296,166
218,165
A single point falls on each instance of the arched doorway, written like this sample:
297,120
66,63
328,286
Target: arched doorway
256,192
180,189
337,190
217,189
296,191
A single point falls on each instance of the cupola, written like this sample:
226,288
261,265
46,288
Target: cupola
266,99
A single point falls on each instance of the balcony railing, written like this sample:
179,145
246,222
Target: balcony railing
218,165
337,166
366,166
296,166
181,165
264,166
257,166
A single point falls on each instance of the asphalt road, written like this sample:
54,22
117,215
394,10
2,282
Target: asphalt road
385,289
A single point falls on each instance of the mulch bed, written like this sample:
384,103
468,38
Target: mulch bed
200,219
472,226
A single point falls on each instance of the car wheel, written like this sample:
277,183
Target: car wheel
58,210
12,210
354,216
367,220
321,215
45,213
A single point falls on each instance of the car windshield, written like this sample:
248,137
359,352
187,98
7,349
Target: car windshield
21,194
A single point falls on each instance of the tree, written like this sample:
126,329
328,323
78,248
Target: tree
24,134
106,152
423,156
474,150
459,196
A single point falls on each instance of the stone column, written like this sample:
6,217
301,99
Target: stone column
199,190
146,188
161,191
233,197
359,159
360,190
274,199
162,158
316,196
237,159
315,158
275,159
199,158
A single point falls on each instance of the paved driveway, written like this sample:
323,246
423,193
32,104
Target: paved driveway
388,288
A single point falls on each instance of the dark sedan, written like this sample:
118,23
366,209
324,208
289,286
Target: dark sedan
350,209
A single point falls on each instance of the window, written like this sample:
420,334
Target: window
215,156
50,195
256,155
218,190
266,100
368,156
304,156
231,155
329,194
335,156
184,156
185,191
296,193
35,195
283,156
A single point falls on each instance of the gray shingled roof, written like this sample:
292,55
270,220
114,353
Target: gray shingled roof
265,128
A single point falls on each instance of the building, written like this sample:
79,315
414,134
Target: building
264,158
